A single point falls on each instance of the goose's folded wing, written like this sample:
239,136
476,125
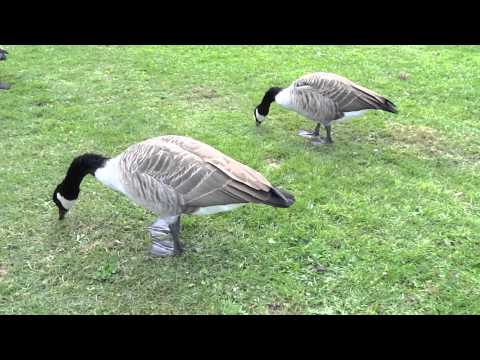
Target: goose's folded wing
317,104
215,187
200,181
232,168
346,94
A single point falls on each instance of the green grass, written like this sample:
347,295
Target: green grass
386,219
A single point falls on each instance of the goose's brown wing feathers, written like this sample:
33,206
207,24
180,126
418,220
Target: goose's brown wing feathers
345,94
202,175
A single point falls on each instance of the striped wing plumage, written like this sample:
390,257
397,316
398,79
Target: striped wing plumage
327,96
190,174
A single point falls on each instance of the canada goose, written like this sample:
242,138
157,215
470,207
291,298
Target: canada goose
170,176
323,98
3,56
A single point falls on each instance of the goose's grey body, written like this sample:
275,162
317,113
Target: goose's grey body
174,175
324,98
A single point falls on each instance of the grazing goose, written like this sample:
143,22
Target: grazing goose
323,98
3,56
170,176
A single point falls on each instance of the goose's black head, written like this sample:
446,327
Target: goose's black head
66,193
262,110
63,201
258,117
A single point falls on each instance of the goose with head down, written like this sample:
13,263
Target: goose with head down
3,56
171,176
324,98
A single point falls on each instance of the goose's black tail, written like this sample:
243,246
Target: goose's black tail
281,198
389,106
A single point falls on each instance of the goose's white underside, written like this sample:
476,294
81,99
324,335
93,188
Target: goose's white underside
351,114
209,210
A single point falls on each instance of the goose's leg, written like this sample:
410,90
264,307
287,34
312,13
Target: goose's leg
175,229
4,86
310,134
165,237
328,129
328,139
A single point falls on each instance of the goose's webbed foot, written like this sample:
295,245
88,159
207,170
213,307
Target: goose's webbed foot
327,139
315,133
4,86
308,134
321,141
165,237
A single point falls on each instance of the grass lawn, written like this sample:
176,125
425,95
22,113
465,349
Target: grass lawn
386,219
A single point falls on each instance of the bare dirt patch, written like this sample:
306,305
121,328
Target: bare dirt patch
422,137
430,143
88,247
202,93
3,272
275,308
403,76
273,163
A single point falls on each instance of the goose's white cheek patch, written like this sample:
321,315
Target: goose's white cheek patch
258,116
67,204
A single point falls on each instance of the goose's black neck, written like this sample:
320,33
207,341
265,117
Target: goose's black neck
80,167
268,98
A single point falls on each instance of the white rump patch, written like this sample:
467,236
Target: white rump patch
258,116
67,204
351,114
209,210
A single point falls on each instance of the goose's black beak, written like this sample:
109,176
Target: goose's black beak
258,122
61,213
